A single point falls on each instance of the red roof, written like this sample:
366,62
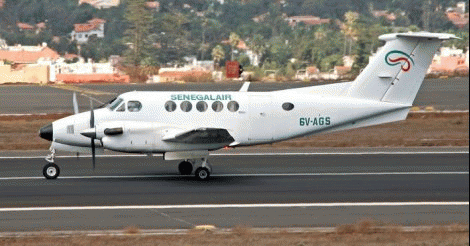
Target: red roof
307,20
93,78
70,56
41,25
153,5
2,2
312,69
181,74
24,26
91,25
97,21
459,20
84,27
28,56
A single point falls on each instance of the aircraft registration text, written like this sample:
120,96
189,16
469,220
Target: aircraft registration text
316,121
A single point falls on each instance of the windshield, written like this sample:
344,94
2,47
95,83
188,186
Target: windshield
114,104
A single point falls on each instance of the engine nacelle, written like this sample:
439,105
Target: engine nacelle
131,137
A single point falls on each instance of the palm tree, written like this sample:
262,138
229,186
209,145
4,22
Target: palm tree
350,30
218,54
234,41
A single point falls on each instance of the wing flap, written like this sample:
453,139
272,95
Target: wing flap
201,136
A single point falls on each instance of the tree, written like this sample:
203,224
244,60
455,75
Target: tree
140,20
234,41
350,31
218,54
258,45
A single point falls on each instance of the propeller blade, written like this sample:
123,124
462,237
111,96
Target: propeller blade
92,117
93,153
92,125
75,103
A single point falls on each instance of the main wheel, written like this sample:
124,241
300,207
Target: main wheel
185,168
51,171
202,174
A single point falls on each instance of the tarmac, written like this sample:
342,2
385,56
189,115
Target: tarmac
257,188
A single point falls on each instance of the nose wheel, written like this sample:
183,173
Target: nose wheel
202,174
51,171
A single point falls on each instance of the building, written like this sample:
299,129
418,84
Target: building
24,26
84,72
308,20
27,54
23,73
82,32
458,16
155,5
101,4
391,17
448,61
2,3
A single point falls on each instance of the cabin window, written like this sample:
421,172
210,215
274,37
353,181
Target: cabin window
122,108
217,106
134,106
170,106
233,106
202,106
186,106
288,106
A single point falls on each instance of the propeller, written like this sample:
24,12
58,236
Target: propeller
92,126
75,103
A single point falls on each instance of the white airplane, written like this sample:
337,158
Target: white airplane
187,125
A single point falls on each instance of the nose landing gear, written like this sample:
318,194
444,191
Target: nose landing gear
51,170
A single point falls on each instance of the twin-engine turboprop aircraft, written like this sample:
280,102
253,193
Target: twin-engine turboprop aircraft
187,125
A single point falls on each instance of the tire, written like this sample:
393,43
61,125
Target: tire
202,174
185,168
51,171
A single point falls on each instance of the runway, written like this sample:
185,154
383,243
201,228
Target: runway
297,189
443,94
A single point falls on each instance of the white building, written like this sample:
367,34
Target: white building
79,68
82,32
101,4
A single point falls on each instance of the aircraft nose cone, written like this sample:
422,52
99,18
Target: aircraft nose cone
46,132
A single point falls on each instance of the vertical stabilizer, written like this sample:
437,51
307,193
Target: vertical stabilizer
398,70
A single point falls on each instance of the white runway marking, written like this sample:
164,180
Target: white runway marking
209,206
245,175
259,154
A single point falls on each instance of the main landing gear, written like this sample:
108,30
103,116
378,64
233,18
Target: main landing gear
203,170
51,170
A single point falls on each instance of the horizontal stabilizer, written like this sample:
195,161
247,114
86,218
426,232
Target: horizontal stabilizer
398,69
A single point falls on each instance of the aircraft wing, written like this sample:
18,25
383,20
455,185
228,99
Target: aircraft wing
201,136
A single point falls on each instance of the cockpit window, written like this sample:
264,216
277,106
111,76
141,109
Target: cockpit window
122,108
134,106
113,105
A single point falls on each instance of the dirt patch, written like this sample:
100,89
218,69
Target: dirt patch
420,129
392,236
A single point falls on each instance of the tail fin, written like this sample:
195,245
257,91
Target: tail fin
398,70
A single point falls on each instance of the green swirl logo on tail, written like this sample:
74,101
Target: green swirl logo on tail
396,57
